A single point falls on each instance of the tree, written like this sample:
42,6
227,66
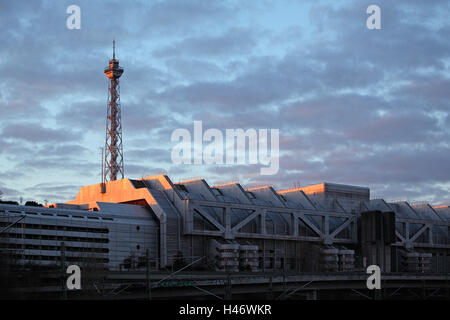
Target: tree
33,204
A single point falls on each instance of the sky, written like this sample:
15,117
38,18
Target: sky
352,105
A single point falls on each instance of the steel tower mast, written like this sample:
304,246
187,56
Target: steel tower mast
113,145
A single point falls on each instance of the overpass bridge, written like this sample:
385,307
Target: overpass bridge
244,285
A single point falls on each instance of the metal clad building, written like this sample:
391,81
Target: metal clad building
314,228
114,236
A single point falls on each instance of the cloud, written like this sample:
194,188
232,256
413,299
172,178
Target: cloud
149,154
34,132
235,41
352,105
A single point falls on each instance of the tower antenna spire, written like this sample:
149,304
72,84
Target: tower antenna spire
113,164
114,49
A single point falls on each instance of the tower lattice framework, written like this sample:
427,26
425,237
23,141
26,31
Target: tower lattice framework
113,164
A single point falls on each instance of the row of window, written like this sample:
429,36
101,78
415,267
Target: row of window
22,246
57,238
56,227
58,258
58,215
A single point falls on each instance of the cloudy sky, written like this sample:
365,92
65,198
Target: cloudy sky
356,106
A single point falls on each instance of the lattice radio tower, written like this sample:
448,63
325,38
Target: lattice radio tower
113,145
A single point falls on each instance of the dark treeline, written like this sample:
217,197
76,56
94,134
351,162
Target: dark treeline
28,203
